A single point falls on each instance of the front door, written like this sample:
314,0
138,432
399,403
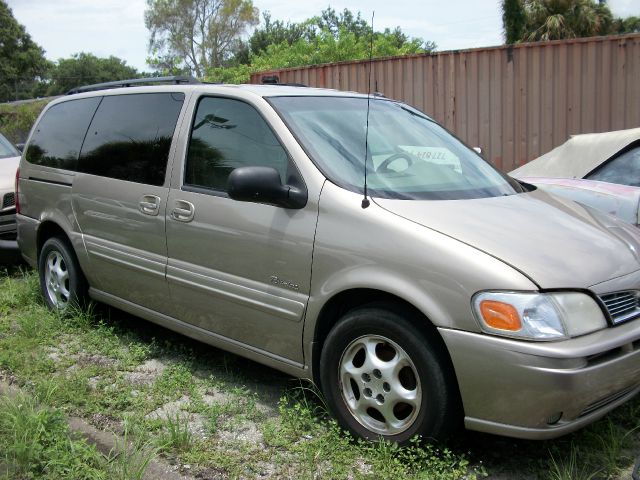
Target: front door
240,270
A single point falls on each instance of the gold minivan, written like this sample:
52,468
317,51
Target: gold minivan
349,240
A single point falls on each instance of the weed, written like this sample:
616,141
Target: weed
570,467
36,443
131,455
176,435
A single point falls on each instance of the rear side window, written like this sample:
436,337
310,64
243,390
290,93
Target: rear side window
130,136
57,140
624,169
228,134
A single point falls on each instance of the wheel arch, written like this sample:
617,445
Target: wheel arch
48,229
349,299
52,227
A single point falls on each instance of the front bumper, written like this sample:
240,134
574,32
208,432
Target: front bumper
519,389
8,232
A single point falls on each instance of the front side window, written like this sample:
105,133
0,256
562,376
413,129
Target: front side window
58,136
624,169
409,156
130,137
227,134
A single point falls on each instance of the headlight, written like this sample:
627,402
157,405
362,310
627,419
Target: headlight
538,316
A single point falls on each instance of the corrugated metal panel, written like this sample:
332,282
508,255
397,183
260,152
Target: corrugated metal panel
515,102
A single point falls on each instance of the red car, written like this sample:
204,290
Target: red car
601,170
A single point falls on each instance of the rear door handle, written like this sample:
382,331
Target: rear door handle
183,211
149,205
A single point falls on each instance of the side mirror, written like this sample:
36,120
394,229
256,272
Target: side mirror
478,150
263,185
20,147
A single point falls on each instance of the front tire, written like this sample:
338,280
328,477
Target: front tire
383,377
61,281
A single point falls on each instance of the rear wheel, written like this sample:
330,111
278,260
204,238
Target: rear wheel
61,280
383,377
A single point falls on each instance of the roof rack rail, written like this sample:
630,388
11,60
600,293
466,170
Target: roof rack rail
178,80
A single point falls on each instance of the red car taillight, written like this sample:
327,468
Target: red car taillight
18,190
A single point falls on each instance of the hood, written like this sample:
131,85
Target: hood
8,167
579,155
555,242
619,200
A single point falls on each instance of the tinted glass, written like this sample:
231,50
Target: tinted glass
57,140
228,134
130,136
6,149
409,155
624,169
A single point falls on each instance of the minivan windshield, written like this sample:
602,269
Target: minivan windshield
409,156
7,149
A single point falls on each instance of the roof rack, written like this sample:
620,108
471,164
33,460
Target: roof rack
178,80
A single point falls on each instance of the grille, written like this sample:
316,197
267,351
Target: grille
9,200
622,306
605,401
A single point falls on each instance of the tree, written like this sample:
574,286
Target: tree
85,68
333,22
196,34
626,25
322,39
513,20
558,19
23,62
277,32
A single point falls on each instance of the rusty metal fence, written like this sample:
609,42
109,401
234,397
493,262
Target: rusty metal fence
515,102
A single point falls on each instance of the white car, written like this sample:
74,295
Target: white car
9,161
601,170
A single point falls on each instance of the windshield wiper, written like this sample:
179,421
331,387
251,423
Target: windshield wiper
339,147
416,114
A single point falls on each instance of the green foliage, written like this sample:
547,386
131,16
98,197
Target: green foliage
558,19
85,68
23,62
35,443
176,436
513,20
626,25
541,20
327,38
196,34
277,32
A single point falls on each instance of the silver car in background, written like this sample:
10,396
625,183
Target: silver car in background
419,287
601,170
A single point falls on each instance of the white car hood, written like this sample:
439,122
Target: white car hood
579,155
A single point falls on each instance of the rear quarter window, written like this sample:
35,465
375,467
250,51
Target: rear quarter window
58,137
130,137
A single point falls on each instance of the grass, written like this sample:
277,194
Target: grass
223,416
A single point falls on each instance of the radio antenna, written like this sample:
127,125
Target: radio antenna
365,200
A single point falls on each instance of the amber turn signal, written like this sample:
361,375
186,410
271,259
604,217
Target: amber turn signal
500,316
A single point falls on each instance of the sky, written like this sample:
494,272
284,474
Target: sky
116,27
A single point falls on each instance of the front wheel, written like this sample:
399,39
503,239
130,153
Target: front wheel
61,281
383,377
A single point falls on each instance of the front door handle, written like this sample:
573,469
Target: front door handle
183,211
149,205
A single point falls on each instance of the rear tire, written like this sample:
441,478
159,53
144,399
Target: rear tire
383,377
61,280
